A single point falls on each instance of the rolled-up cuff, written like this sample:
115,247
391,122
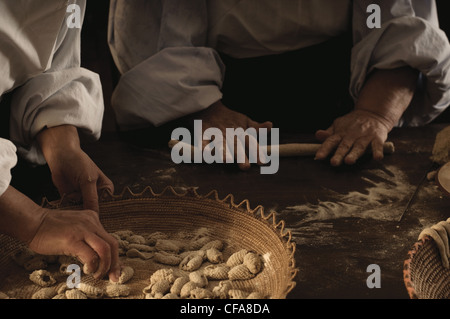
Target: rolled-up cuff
68,97
414,42
8,159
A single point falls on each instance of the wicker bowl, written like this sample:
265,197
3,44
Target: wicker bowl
424,275
237,225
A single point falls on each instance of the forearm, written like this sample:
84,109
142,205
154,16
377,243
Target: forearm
58,139
20,216
388,93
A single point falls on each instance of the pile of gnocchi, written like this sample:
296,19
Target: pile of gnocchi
187,267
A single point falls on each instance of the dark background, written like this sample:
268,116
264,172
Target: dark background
96,55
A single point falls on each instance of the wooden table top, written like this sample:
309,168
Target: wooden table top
342,219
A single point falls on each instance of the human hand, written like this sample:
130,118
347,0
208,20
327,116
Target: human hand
81,235
221,117
350,135
60,232
73,172
381,103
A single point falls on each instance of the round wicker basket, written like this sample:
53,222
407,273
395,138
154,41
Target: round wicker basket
237,225
424,275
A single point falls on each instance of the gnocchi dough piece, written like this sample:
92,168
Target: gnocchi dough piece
64,261
124,234
201,293
201,232
191,262
164,273
123,244
198,278
201,253
169,245
158,288
75,294
134,253
60,296
117,290
221,290
217,244
141,247
214,256
178,284
166,258
86,270
90,291
42,278
199,243
187,288
117,237
237,258
61,288
157,235
136,239
255,295
253,262
216,272
126,273
44,293
170,295
237,294
240,272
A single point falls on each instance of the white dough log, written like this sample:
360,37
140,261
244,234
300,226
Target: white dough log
298,149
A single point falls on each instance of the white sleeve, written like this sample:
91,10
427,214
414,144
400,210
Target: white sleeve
409,36
8,159
64,94
167,72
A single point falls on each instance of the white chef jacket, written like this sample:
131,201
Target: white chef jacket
40,64
167,51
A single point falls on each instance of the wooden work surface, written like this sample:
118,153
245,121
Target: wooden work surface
342,219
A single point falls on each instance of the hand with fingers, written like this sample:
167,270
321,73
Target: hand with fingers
220,117
382,101
79,234
60,232
74,174
351,135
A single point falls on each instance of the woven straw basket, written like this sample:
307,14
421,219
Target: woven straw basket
237,225
424,275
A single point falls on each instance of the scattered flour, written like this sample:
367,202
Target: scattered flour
166,173
384,200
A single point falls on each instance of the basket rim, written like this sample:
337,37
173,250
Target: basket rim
409,284
278,226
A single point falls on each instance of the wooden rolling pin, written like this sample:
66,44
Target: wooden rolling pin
302,149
